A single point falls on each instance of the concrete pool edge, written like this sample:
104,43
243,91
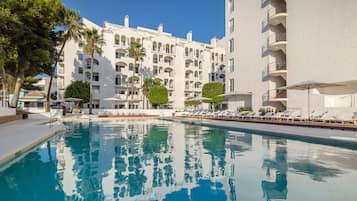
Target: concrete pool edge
14,155
344,139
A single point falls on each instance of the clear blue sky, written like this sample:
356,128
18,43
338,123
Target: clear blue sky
204,17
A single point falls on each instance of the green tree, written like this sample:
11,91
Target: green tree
28,83
31,34
137,52
94,43
212,90
72,30
148,83
158,95
78,89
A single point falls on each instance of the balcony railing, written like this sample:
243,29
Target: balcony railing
277,37
274,66
277,94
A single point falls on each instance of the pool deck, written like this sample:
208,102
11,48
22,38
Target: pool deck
319,135
22,135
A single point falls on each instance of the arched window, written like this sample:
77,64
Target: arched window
155,59
159,46
172,49
196,74
123,40
117,39
167,48
154,46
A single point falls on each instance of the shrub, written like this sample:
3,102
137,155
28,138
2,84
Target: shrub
245,109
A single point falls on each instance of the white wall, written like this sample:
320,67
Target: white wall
322,45
249,39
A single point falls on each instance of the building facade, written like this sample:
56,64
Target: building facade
271,44
181,65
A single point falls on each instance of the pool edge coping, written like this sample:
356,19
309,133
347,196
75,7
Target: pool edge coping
20,152
260,131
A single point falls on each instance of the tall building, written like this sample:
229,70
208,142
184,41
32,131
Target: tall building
181,65
271,44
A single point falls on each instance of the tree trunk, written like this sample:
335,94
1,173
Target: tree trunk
51,77
91,84
5,85
17,89
132,81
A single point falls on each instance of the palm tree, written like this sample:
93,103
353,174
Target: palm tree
94,43
72,30
137,52
148,83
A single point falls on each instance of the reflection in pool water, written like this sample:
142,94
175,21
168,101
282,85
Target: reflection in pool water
159,160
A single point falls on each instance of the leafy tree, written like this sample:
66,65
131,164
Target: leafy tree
78,89
94,43
158,95
148,83
72,30
30,30
137,52
212,90
28,83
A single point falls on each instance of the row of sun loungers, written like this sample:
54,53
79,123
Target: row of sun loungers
122,114
292,116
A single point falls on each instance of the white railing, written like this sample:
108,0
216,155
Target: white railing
277,37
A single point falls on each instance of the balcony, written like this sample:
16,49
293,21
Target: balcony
277,69
278,95
278,16
277,41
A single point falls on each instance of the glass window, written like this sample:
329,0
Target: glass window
231,45
231,65
231,5
80,70
231,25
231,85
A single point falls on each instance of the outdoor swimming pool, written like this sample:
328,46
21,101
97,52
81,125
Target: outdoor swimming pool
162,160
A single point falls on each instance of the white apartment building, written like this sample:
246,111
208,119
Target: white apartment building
181,65
272,44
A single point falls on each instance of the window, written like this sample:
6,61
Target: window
96,77
231,85
118,81
119,54
231,45
186,51
231,25
231,65
80,57
231,5
80,70
96,89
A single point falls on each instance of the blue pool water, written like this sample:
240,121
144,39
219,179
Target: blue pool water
159,160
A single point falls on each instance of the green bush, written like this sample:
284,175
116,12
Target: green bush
212,90
158,95
78,89
245,109
263,111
